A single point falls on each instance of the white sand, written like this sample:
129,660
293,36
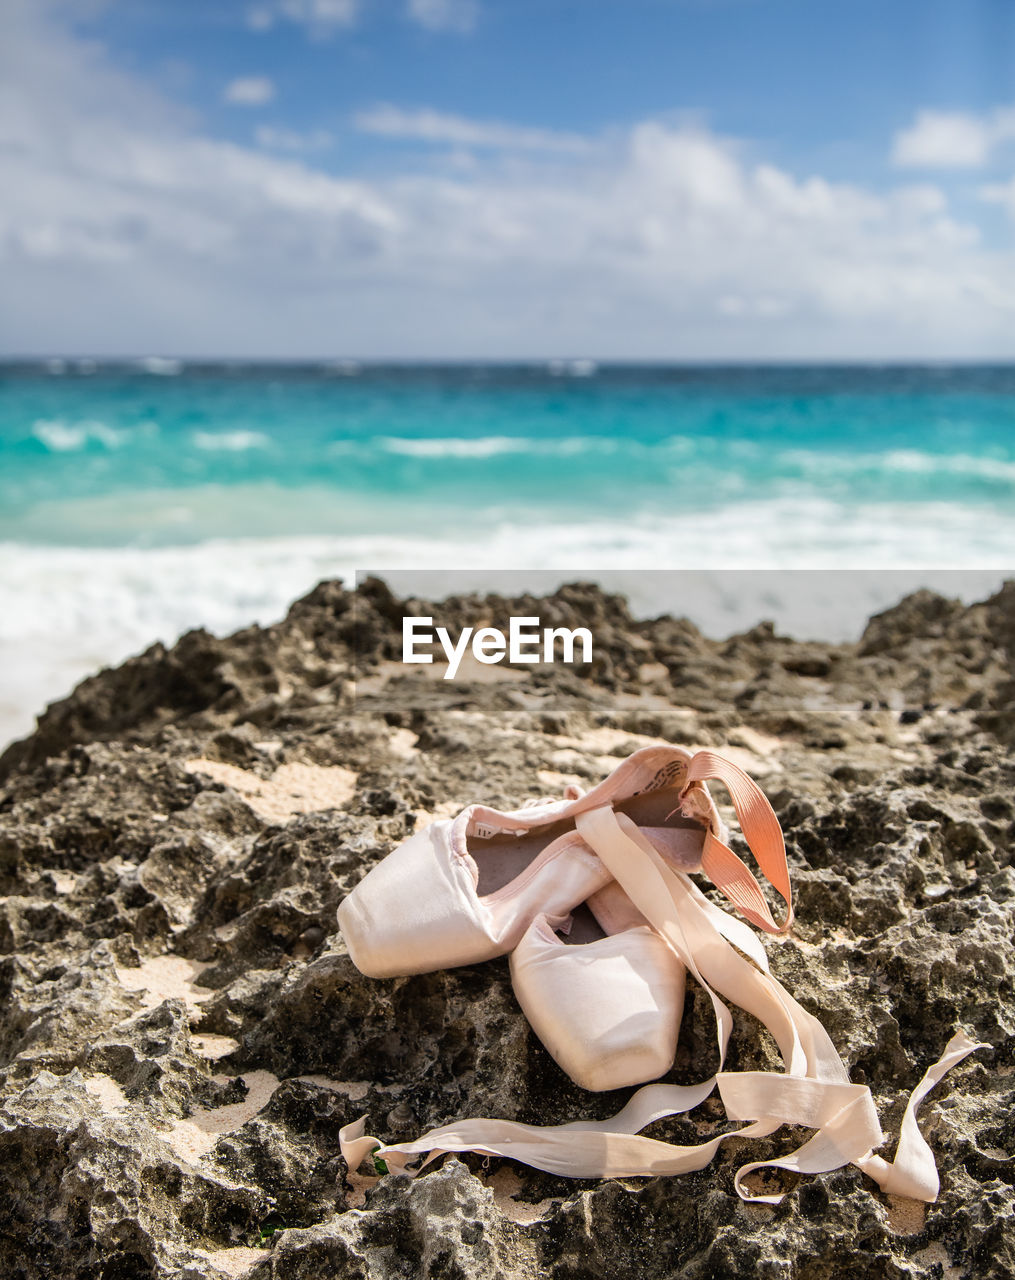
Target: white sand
505,1185
235,1262
292,789
194,1137
213,1047
166,978
402,743
108,1093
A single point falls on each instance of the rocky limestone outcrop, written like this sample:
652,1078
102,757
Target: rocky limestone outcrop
182,1034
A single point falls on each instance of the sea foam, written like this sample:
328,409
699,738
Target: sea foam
230,441
492,446
60,436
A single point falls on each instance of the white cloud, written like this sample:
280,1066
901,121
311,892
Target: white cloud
1002,193
444,15
275,138
319,17
440,127
953,139
249,91
124,228
322,17
260,18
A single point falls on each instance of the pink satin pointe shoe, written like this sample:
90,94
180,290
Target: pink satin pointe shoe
465,890
607,1000
449,897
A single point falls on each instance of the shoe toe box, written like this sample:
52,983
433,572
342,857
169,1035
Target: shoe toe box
413,912
608,1012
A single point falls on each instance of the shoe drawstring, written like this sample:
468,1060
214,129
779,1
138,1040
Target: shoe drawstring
571,792
761,829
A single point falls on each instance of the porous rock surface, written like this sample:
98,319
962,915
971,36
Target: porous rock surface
182,1034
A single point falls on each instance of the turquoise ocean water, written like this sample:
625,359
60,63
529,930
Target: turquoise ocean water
139,499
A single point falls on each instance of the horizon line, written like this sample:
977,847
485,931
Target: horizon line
570,364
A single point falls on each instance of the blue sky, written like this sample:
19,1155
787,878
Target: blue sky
645,179
815,83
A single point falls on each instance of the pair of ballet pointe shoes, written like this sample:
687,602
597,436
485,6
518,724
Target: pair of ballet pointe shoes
599,986
592,898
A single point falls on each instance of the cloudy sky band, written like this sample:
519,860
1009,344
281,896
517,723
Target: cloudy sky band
132,224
